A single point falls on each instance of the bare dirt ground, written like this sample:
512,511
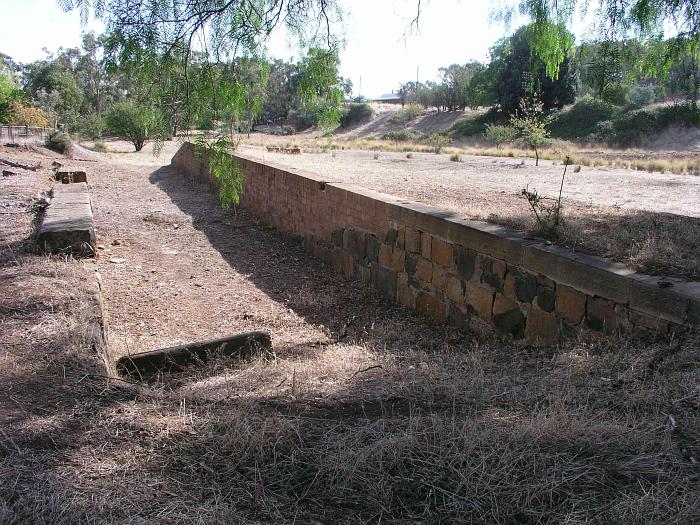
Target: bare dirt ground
363,413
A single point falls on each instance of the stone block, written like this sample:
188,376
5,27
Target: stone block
426,245
411,263
439,277
412,240
68,223
384,281
601,316
492,272
542,328
371,248
431,306
354,242
401,239
442,252
424,271
507,315
398,260
480,299
385,255
648,322
545,298
524,285
391,235
406,294
465,262
71,176
570,304
337,237
454,289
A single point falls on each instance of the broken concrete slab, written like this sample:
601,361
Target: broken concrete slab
148,364
71,176
68,223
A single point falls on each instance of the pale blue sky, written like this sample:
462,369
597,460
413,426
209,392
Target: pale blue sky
378,49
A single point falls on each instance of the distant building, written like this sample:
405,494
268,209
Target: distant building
389,98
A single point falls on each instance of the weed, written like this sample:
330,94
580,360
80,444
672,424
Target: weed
456,157
547,216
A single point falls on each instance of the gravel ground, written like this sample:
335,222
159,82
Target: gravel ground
471,186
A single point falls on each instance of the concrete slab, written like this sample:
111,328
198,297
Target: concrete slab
68,223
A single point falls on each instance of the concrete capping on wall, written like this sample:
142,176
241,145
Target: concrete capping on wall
457,270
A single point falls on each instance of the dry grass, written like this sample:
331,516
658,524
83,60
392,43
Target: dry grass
386,419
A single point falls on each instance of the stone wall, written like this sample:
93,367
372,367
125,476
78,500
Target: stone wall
455,270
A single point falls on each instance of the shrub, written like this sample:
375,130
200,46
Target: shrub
136,123
99,146
301,119
476,125
456,157
437,142
615,94
355,114
403,135
57,141
499,135
406,114
22,115
640,96
634,127
92,126
582,119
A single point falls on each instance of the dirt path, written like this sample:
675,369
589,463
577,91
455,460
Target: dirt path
177,268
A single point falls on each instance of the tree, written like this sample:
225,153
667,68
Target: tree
135,123
9,94
531,124
521,73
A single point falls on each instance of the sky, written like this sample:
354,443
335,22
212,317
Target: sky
380,49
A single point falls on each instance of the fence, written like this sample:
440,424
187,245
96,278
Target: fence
20,134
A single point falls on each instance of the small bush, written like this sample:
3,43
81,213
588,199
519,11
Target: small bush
456,157
640,96
57,141
355,114
615,94
23,115
92,126
409,155
99,146
500,135
403,135
405,115
301,119
436,142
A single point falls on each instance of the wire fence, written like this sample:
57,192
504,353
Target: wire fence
20,134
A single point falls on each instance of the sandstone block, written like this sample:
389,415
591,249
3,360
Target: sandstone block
465,262
545,298
481,300
426,245
542,328
454,289
413,240
601,316
424,271
430,306
442,252
570,304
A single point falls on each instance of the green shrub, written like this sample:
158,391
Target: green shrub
403,135
476,125
355,114
640,96
136,123
635,127
456,157
92,126
57,141
500,135
405,115
301,119
99,146
582,119
615,94
436,142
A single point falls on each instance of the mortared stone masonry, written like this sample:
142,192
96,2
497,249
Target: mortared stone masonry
454,270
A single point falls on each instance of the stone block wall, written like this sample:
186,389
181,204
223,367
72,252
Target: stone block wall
454,270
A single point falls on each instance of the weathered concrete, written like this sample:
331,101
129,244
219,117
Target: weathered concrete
68,224
147,364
